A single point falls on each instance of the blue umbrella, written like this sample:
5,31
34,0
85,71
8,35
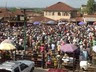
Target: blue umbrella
51,22
36,23
81,23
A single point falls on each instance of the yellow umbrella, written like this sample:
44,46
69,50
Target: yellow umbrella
7,46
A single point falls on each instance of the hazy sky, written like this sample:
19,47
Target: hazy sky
39,3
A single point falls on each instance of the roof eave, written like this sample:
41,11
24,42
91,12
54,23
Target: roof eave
60,10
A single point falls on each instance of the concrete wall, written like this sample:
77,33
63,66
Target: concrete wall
57,15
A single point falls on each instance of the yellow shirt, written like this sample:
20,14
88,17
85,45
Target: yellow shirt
58,47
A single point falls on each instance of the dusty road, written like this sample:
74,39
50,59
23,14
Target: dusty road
45,70
40,70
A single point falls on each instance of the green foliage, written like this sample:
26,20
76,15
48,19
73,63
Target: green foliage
90,6
95,6
83,11
36,10
12,9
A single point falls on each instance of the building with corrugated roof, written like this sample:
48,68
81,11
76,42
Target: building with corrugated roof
59,11
11,17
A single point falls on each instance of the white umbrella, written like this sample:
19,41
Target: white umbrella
94,48
7,41
7,46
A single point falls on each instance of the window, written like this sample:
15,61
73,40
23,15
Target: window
45,13
49,13
23,66
63,13
66,14
59,14
52,13
16,69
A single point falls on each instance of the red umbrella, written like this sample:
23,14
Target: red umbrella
57,70
68,48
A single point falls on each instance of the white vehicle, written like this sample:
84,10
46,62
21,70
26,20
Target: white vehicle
17,66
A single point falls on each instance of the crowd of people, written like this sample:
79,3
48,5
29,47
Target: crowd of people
47,40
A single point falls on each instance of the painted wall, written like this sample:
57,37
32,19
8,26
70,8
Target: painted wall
57,15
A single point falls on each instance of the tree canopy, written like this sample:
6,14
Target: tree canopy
90,6
12,9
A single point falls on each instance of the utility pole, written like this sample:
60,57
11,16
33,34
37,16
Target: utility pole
24,31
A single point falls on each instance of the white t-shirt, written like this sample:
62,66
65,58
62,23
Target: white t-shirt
53,46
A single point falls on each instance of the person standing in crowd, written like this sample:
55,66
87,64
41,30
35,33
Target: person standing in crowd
51,34
48,61
84,55
43,60
46,47
35,56
42,48
59,59
53,48
94,41
55,62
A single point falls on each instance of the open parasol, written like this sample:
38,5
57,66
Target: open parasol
7,46
7,41
81,23
68,48
36,23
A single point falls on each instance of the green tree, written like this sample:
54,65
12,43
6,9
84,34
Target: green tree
83,11
90,6
95,6
12,9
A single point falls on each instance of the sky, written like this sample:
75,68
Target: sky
39,3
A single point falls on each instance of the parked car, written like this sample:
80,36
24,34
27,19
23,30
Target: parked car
17,66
